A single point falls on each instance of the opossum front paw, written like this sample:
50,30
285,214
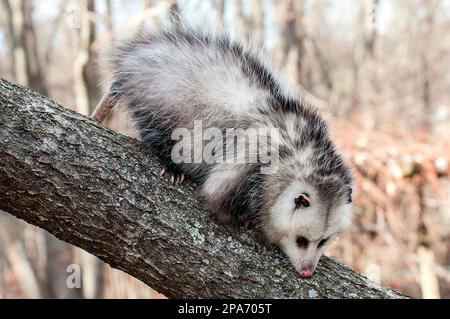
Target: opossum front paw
176,176
223,218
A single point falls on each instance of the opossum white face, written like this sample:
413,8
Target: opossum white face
304,221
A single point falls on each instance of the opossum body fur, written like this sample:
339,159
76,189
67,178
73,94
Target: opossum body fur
172,78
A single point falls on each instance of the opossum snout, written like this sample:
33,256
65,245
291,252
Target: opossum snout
307,271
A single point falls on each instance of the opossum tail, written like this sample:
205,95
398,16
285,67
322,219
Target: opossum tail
108,101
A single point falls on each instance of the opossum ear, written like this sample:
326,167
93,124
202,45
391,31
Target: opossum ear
302,200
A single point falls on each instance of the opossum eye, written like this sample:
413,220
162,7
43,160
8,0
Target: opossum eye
323,242
349,197
302,242
302,201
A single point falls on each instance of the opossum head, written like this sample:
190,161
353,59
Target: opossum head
304,214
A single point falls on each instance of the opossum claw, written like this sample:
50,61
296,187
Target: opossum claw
180,178
176,177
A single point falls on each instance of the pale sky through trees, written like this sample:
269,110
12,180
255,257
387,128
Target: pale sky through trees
340,13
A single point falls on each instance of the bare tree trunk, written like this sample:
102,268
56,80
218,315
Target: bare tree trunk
92,275
371,38
363,60
16,25
59,255
2,271
86,77
293,41
430,8
36,78
18,261
258,19
102,192
429,282
251,22
92,266
27,55
426,93
357,61
26,62
323,63
6,23
110,16
57,26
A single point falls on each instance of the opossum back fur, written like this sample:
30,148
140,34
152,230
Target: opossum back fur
171,78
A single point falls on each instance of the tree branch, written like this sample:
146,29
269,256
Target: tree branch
100,191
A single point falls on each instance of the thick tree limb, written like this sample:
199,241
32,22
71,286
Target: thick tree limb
100,191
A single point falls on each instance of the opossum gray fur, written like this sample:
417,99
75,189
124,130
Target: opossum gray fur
171,78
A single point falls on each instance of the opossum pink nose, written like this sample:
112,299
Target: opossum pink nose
306,274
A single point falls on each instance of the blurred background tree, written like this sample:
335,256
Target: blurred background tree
379,68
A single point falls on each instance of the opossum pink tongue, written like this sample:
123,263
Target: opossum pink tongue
306,274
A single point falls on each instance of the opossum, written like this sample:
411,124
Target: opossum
171,78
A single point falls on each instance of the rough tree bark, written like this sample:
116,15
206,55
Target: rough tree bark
101,191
